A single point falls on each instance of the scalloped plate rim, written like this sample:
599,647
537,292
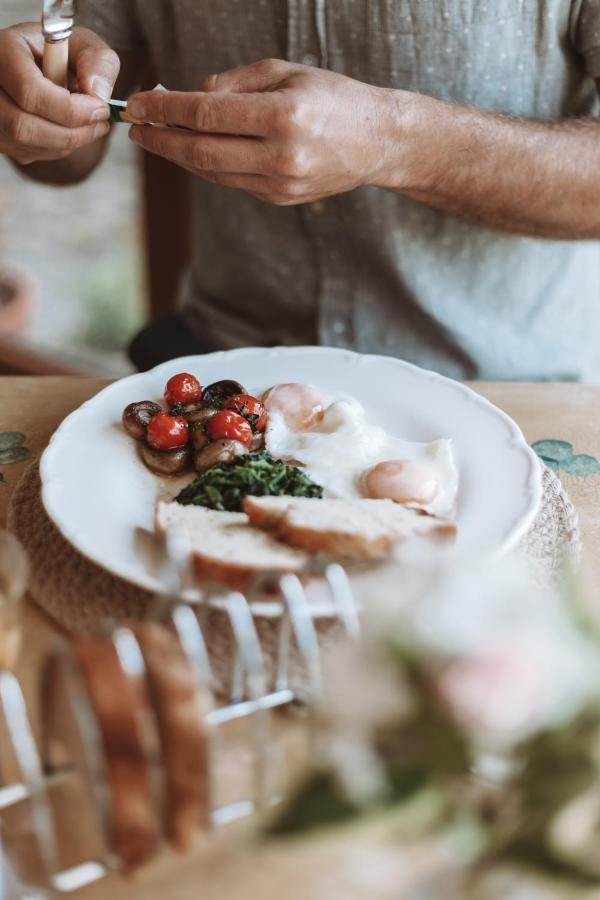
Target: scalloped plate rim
49,477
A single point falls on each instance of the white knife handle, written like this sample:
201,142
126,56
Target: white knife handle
56,62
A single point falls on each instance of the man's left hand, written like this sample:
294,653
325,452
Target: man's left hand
284,133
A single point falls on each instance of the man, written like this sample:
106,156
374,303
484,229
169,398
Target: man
418,178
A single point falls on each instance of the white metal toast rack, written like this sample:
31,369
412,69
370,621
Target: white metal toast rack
252,696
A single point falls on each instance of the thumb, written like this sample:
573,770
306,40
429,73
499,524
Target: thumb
258,77
96,66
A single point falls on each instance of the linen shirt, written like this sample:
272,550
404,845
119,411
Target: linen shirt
373,270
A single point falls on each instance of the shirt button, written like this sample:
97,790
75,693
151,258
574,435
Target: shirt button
309,59
339,327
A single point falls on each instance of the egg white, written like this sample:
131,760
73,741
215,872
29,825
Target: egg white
344,445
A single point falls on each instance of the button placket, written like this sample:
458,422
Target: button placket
303,39
335,303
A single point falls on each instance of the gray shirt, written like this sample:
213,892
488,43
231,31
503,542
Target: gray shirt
373,270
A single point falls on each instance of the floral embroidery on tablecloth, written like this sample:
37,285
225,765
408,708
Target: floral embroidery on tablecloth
561,457
12,449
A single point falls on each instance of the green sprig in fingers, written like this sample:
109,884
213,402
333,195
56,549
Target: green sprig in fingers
561,457
12,449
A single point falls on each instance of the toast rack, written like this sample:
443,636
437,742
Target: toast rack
82,765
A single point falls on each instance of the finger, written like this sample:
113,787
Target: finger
207,113
29,131
252,184
257,77
24,83
95,64
32,155
204,153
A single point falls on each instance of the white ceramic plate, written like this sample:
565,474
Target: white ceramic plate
102,497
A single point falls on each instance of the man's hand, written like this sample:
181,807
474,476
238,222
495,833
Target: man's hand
285,133
39,121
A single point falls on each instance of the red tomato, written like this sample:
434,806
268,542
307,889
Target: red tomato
250,408
182,388
167,432
229,425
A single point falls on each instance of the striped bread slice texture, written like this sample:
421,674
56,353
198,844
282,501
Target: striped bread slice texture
119,704
362,529
179,707
226,548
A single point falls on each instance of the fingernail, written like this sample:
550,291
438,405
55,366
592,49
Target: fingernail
101,87
101,130
136,109
102,114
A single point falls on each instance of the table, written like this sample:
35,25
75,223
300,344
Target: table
35,407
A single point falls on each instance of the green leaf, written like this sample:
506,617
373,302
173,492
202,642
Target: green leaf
225,485
558,766
537,855
14,455
318,801
10,439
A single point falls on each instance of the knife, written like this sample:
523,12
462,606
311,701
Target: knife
58,18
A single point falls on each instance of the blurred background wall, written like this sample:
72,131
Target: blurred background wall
81,246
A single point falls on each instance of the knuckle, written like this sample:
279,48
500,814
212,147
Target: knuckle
290,118
200,159
19,130
268,66
293,162
288,189
26,96
202,117
73,140
69,119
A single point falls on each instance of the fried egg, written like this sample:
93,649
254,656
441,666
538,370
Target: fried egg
352,458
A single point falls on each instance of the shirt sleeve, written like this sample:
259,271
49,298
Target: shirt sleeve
586,33
115,21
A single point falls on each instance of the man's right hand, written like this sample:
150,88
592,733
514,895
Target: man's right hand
40,121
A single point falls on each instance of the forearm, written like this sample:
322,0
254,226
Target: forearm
72,170
524,176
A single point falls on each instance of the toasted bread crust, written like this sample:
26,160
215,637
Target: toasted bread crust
364,529
237,576
116,701
178,707
267,516
335,543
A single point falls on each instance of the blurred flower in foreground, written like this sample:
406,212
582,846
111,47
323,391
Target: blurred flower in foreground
472,703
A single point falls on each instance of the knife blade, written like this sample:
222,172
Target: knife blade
58,19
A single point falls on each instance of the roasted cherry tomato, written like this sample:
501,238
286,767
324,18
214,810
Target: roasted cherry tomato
182,388
250,408
229,425
167,432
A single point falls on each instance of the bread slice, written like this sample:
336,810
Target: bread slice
226,548
267,512
120,703
178,706
364,529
